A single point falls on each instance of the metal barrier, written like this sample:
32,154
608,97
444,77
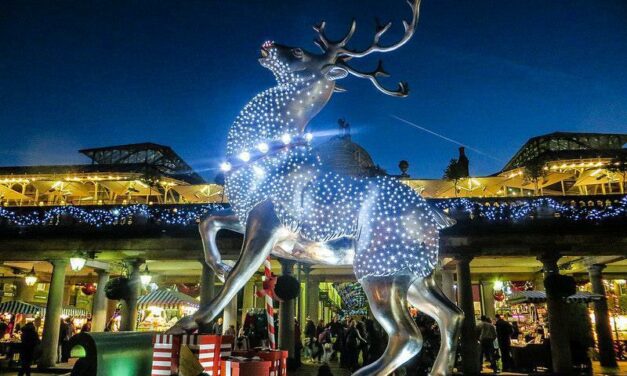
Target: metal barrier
112,354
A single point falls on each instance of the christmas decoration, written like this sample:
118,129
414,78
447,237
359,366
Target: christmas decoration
117,288
287,203
88,289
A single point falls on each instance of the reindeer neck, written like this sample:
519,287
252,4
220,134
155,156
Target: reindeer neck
285,108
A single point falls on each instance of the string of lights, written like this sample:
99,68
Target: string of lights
190,215
540,208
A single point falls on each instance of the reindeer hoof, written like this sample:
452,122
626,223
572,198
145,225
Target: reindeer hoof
184,326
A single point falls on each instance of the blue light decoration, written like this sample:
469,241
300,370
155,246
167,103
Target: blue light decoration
517,211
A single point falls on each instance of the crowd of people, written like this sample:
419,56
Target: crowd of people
356,341
496,341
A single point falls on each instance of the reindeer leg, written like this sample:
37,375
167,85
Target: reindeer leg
428,297
388,301
259,239
208,229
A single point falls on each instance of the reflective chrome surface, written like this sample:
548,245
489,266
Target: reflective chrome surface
287,204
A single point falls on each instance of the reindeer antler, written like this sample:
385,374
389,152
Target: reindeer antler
338,49
403,88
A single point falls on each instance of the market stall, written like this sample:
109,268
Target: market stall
162,308
16,313
530,350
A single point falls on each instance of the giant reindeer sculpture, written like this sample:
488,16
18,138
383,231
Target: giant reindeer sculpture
286,203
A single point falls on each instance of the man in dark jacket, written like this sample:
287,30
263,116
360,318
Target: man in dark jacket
504,332
310,336
30,340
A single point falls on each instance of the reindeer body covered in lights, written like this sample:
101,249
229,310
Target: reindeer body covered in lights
286,203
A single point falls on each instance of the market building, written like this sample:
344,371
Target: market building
558,208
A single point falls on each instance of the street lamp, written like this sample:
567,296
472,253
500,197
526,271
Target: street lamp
77,262
146,277
30,278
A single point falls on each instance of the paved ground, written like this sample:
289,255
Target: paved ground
309,369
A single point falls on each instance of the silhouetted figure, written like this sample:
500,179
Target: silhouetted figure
487,335
504,332
30,340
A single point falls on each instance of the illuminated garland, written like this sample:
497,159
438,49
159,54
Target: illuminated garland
115,216
190,215
516,211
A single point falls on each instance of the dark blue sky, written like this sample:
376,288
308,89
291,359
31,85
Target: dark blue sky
490,74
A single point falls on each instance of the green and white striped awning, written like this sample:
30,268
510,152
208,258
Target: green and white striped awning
19,307
167,299
69,311
540,297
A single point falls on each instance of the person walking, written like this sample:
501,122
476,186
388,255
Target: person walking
310,334
487,336
354,342
217,327
63,338
30,341
504,331
337,332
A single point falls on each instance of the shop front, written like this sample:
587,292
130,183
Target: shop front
161,309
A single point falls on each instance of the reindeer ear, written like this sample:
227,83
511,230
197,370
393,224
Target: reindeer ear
333,72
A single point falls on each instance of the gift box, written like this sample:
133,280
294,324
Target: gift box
277,359
238,367
162,355
167,348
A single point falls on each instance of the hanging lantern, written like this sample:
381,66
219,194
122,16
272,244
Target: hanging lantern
146,277
77,262
31,278
89,289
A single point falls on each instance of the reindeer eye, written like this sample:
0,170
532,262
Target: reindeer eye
297,52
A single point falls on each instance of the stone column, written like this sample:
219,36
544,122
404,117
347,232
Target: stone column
99,305
313,298
128,321
470,345
207,284
54,308
558,325
286,316
229,316
602,318
24,292
487,299
448,284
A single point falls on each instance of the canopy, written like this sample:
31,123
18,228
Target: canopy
540,297
69,311
167,299
19,307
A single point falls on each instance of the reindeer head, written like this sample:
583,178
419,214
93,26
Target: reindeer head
332,64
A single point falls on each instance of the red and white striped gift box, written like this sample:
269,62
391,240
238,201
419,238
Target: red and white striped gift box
162,355
278,360
206,348
226,348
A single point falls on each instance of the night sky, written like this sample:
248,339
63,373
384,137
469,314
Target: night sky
489,74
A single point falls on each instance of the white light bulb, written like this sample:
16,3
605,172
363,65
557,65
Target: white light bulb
225,166
308,136
244,156
263,147
259,171
286,138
